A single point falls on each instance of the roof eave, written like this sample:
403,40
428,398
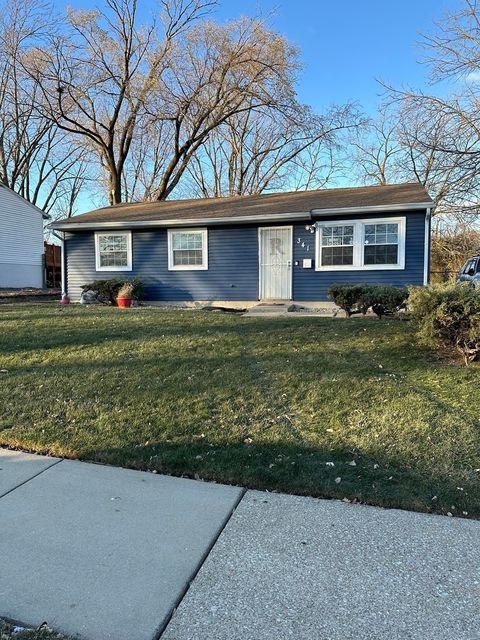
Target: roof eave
186,222
306,216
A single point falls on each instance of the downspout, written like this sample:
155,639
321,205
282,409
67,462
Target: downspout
426,255
62,260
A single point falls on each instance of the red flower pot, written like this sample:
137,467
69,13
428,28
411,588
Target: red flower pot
124,302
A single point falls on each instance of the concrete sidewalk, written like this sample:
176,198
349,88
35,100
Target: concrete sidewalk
98,551
108,553
309,569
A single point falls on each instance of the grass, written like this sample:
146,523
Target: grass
265,403
10,631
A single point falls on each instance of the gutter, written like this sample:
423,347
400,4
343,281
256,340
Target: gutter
378,208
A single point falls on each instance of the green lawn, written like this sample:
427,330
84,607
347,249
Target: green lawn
266,403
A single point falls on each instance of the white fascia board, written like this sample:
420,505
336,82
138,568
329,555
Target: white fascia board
200,222
410,206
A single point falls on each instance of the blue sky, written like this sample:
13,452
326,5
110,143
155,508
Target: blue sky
347,44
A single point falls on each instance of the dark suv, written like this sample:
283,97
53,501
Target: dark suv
470,272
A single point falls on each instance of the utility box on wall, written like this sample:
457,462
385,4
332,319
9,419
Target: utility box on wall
307,263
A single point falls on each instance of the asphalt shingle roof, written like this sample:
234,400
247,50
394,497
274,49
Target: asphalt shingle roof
255,205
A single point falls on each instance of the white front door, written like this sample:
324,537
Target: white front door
275,258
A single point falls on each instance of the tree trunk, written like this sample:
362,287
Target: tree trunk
115,191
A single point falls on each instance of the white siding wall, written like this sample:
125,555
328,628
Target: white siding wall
21,242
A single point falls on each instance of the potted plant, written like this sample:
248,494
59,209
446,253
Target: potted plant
124,295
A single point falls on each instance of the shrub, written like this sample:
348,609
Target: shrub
348,297
385,300
448,315
358,298
107,290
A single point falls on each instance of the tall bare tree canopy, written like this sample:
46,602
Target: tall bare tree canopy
434,137
37,159
150,104
263,149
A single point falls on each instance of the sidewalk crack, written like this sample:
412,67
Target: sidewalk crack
163,626
31,478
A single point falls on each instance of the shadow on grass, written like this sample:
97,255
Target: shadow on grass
303,470
94,326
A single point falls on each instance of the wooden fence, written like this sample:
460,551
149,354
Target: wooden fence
52,265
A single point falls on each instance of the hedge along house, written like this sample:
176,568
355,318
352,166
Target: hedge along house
275,247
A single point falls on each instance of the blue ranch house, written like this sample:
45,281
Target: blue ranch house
272,247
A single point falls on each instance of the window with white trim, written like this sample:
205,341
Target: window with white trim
380,243
113,251
187,249
360,244
337,244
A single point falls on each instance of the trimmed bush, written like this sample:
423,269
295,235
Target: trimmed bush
448,315
359,298
107,290
385,300
348,297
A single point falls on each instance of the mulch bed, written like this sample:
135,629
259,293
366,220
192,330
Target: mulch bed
29,295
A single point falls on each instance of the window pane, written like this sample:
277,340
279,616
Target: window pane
120,258
187,257
187,241
114,259
334,256
113,243
337,236
381,254
392,237
381,233
105,259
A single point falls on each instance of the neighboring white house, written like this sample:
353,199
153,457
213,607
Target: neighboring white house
21,241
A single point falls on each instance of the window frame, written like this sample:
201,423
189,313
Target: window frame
359,244
326,246
100,234
188,267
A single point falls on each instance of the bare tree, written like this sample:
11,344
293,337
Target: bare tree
36,159
270,149
219,74
376,149
100,73
441,134
406,144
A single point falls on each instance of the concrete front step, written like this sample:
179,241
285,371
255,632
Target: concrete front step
293,308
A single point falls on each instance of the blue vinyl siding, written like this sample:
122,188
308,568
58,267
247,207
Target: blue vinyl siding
233,264
309,284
